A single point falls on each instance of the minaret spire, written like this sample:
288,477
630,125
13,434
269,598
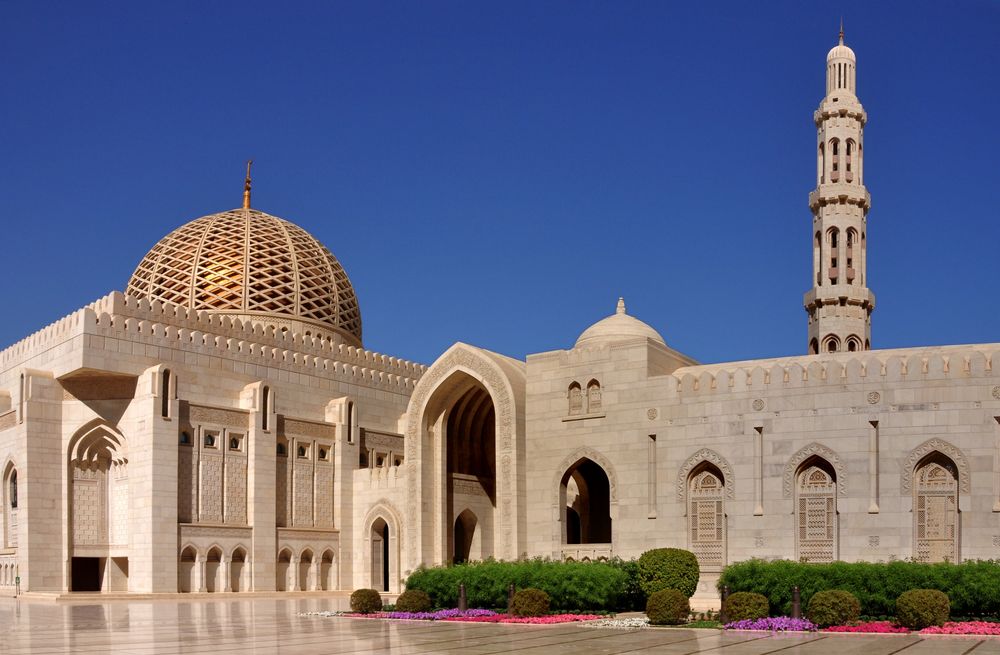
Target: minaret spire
840,304
246,186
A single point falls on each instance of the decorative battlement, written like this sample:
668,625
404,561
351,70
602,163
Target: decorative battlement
834,194
217,334
946,362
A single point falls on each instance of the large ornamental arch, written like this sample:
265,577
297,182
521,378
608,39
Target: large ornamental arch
503,380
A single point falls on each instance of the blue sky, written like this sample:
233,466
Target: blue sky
500,173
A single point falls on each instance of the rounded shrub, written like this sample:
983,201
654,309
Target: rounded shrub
834,607
530,602
366,601
668,607
921,608
668,568
746,605
413,600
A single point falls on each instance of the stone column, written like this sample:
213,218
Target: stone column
346,455
224,566
293,569
200,566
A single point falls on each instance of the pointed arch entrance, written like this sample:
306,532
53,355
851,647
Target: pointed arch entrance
463,436
99,509
381,532
585,494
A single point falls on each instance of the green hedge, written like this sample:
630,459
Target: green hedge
973,587
570,585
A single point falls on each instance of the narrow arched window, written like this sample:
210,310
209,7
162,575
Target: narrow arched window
834,160
165,393
13,490
593,397
575,394
350,422
816,507
814,347
707,516
282,450
935,509
265,405
834,273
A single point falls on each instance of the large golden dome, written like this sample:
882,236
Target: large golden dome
246,263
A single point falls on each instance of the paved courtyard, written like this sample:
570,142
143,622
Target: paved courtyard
275,626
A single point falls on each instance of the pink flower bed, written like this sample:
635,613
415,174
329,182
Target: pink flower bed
883,627
532,620
963,628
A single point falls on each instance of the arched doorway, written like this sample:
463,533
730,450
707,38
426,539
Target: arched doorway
237,569
282,569
305,568
380,554
213,569
186,570
585,494
326,571
468,538
707,515
99,509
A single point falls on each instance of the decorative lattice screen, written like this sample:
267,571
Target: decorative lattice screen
707,531
936,513
817,515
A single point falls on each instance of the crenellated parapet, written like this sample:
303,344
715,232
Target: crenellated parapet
173,326
871,367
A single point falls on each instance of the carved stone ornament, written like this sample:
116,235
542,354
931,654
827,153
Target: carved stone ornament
218,416
996,392
926,448
792,467
758,405
310,429
874,397
705,455
652,413
194,531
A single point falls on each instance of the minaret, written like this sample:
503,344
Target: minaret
840,304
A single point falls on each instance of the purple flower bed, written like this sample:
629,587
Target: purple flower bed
439,615
773,623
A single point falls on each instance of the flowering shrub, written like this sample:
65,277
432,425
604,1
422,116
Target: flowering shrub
881,627
440,615
963,628
773,623
532,620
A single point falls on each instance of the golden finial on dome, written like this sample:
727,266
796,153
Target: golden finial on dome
620,309
841,30
246,186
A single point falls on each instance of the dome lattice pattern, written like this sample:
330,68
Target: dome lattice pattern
244,261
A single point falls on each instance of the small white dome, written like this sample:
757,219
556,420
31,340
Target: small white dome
617,327
840,52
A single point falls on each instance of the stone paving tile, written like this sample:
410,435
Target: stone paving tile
252,626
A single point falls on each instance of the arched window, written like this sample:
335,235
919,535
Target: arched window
265,406
816,509
593,397
282,449
847,160
13,490
834,147
586,512
935,509
350,422
853,343
821,164
575,395
833,236
165,393
302,452
831,344
707,516
818,259
185,439
814,347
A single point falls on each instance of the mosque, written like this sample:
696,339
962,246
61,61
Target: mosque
220,427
